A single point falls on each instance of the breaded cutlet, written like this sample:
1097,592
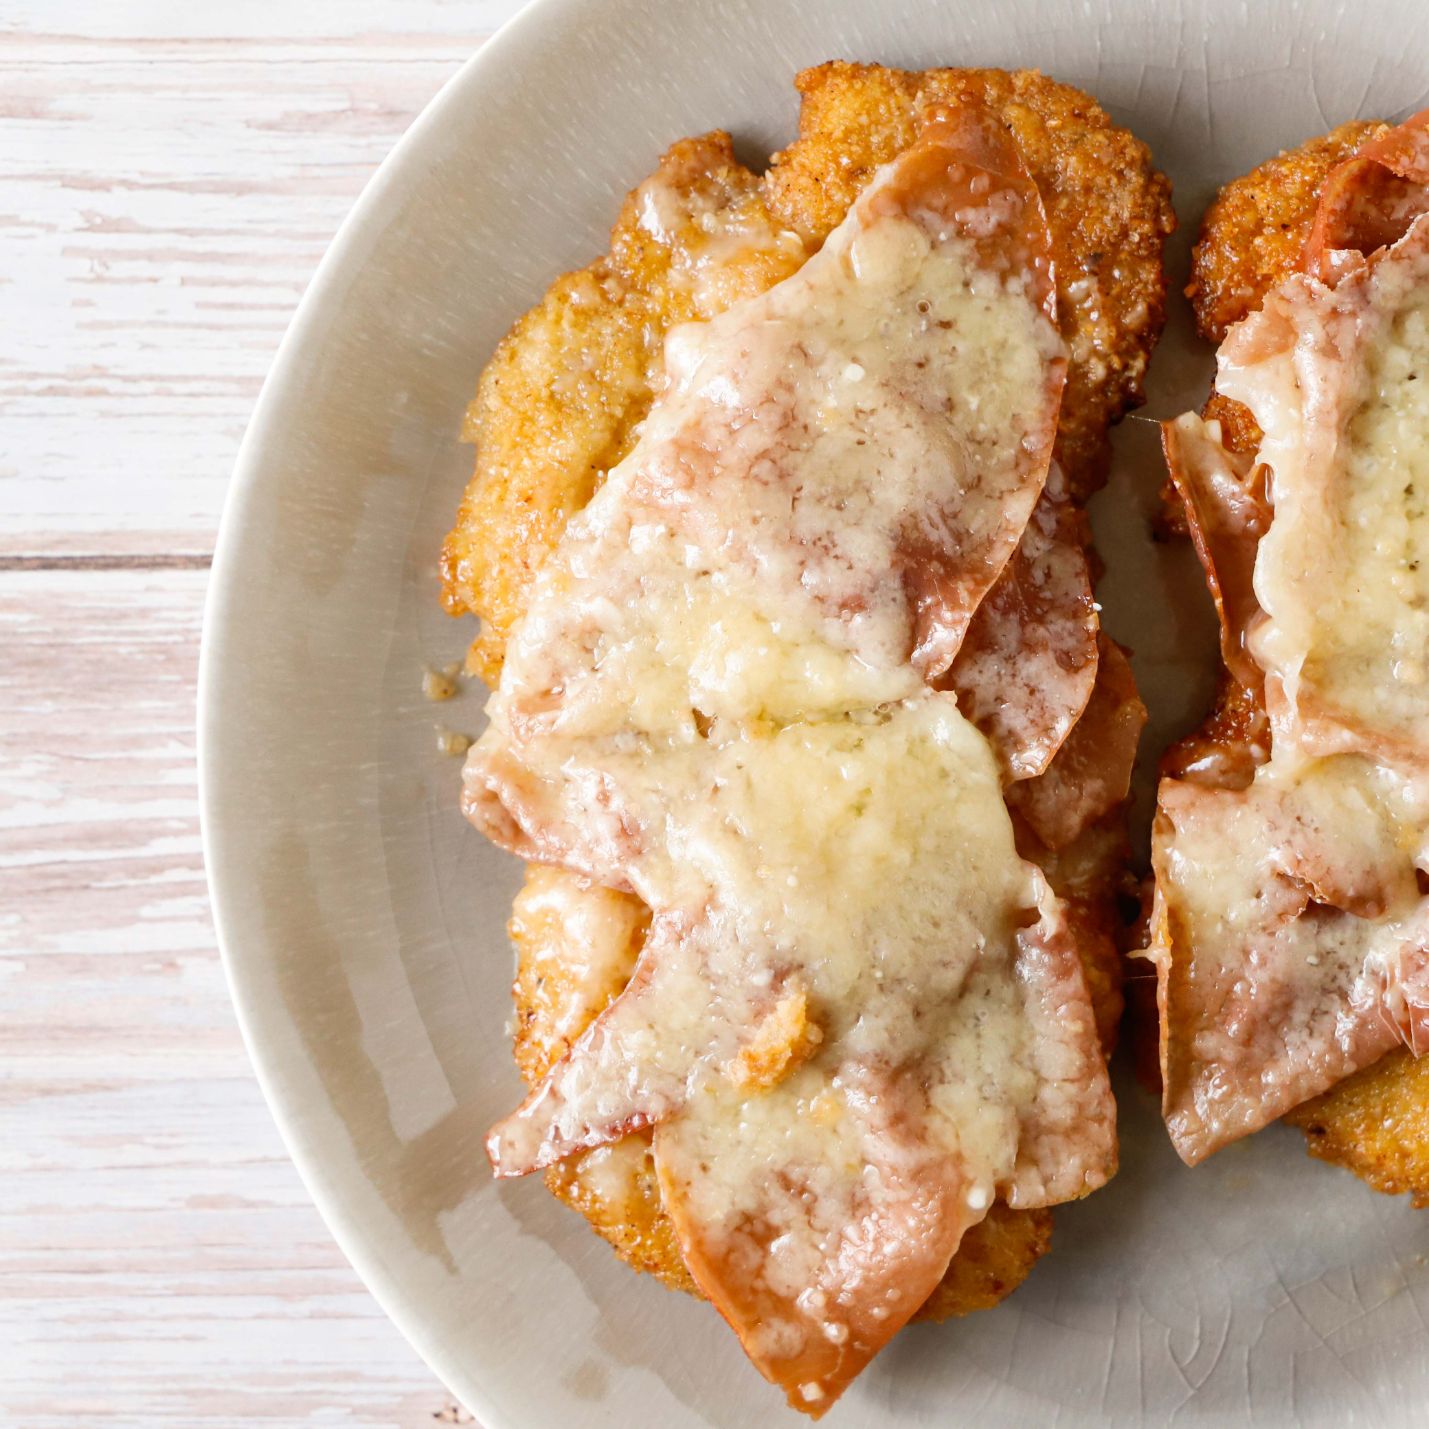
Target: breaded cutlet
1375,1123
560,404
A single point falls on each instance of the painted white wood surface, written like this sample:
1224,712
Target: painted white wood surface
170,174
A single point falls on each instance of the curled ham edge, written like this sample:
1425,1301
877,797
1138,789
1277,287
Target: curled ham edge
1026,669
1366,206
1044,587
944,589
1090,773
1227,512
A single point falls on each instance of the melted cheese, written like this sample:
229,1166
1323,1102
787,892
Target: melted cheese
1383,621
579,943
1343,572
1336,826
713,241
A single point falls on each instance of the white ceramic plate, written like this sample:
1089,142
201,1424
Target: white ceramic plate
363,923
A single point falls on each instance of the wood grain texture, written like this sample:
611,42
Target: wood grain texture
170,175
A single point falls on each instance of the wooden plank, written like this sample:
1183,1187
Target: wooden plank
172,174
275,22
160,1263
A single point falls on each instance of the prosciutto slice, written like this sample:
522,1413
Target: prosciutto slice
966,175
1294,942
1370,201
1091,773
1026,670
857,1017
876,1209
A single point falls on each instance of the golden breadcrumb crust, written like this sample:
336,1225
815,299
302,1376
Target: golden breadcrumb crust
559,405
1375,1123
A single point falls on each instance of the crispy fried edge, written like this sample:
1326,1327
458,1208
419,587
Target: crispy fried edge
1255,229
1376,1124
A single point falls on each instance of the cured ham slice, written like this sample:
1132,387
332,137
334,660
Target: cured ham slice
1290,930
876,1173
1369,202
834,1251
1091,772
965,174
1331,377
834,478
857,1017
1224,498
1293,935
1026,670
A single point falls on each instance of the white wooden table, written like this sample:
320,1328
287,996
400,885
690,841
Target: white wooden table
170,174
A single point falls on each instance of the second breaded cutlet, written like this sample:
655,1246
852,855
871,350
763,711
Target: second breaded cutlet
1376,1123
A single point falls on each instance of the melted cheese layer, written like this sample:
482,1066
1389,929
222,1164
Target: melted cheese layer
740,566
868,862
1382,620
1340,574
